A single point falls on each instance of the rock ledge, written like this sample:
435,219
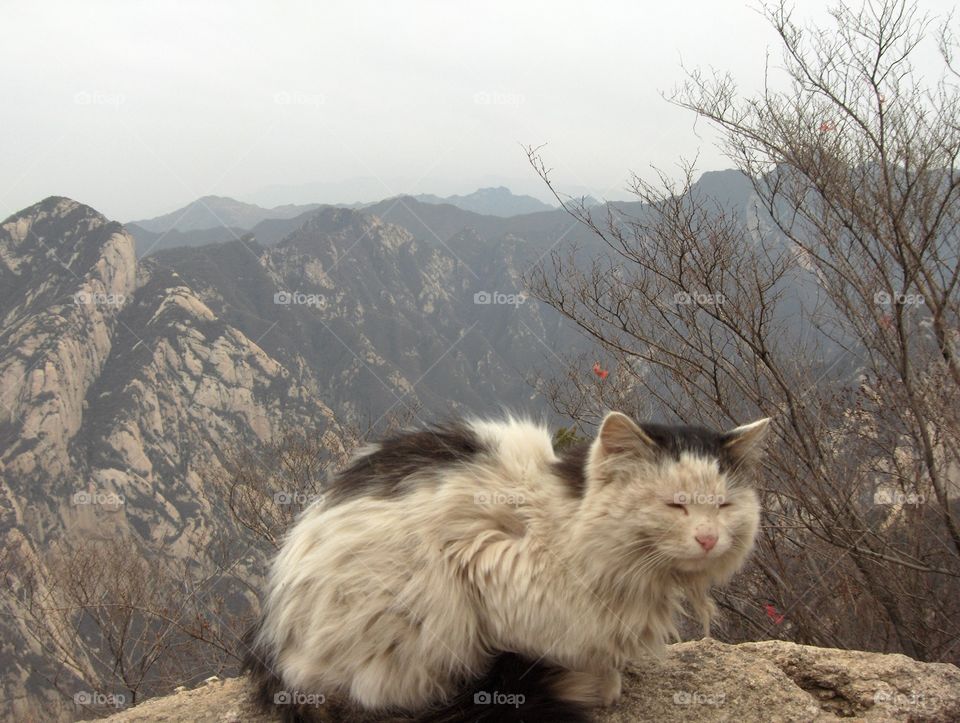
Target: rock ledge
704,680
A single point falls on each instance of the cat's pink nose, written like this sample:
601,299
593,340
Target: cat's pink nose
707,541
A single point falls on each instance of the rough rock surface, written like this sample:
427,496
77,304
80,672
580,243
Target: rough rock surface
701,681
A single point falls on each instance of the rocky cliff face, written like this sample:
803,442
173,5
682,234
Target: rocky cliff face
108,368
119,385
697,681
382,317
67,275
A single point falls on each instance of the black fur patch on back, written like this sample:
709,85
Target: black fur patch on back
383,472
572,468
676,439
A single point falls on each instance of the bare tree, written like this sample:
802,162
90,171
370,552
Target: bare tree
122,623
265,491
125,620
830,303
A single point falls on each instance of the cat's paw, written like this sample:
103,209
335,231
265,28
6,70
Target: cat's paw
591,689
611,687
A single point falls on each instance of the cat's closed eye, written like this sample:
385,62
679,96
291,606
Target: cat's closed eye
677,505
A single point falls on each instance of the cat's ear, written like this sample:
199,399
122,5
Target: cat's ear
744,444
621,435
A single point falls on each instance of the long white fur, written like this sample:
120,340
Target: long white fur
397,602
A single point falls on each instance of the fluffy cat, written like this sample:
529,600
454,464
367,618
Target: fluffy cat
470,572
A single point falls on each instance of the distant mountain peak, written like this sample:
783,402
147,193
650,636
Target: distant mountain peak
57,227
334,218
51,206
208,212
55,202
491,201
344,229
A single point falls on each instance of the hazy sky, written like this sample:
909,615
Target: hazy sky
137,108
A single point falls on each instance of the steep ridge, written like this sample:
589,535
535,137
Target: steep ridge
119,386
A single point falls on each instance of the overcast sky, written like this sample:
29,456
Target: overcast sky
137,108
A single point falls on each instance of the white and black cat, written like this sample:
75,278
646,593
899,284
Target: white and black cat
470,573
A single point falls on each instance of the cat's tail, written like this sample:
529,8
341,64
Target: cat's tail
514,690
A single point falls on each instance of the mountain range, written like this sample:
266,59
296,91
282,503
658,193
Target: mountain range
497,201
213,219
219,211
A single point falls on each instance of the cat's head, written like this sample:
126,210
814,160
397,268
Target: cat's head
675,497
